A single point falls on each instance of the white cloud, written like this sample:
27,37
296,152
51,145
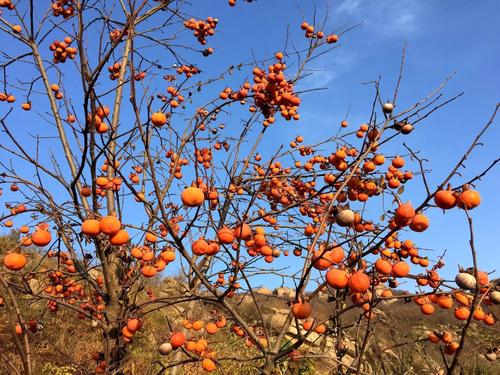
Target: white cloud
400,23
318,78
348,6
328,68
384,18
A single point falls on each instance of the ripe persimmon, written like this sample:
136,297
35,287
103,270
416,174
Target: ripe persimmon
109,225
208,365
489,319
482,278
200,247
127,333
337,278
221,322
119,238
14,261
320,329
225,235
359,282
404,214
419,223
158,119
148,271
383,266
445,302
192,196
445,199
427,309
462,313
90,227
301,309
242,231
177,339
41,237
307,324
469,199
211,328
134,324
451,348
168,256
446,338
433,338
398,162
479,313
197,325
150,237
400,269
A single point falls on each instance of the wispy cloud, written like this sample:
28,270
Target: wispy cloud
385,18
327,69
318,78
348,6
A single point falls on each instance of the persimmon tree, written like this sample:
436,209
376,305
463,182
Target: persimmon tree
142,164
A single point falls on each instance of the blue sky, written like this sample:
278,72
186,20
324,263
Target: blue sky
443,39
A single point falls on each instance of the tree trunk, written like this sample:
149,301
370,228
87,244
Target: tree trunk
269,367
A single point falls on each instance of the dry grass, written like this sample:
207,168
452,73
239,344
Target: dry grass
65,344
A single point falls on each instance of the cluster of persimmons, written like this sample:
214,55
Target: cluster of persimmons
65,8
321,186
340,267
